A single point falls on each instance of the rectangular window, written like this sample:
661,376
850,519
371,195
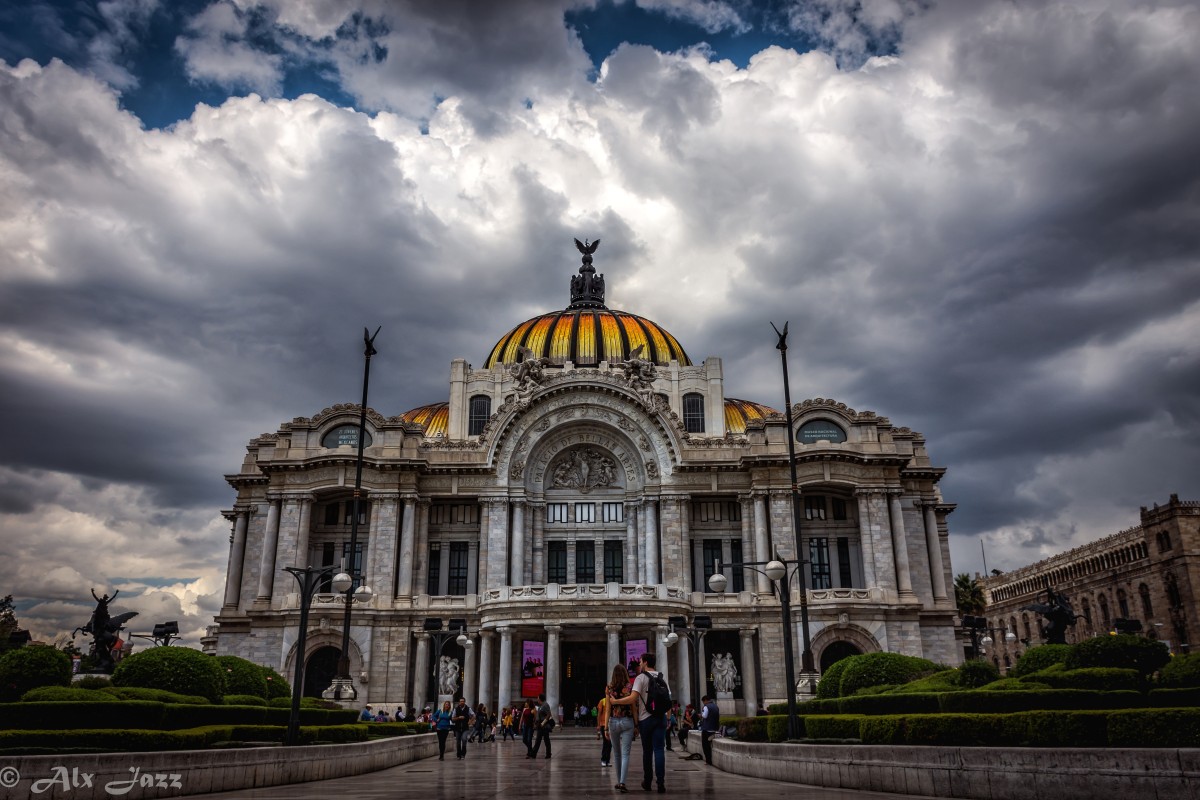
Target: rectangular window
354,566
585,561
457,574
556,562
433,583
814,506
693,413
710,550
839,508
332,512
614,512
844,573
709,512
735,554
614,561
480,410
556,512
734,511
327,551
585,512
818,558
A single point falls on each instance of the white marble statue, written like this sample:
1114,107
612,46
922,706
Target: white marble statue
447,675
724,672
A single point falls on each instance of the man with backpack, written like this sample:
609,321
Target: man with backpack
710,723
652,698
544,724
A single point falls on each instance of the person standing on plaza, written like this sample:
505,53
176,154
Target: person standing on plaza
618,722
440,721
672,722
710,723
544,724
462,725
528,718
651,699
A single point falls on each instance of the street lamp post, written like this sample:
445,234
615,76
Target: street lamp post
776,571
343,686
163,634
701,624
457,630
807,667
310,579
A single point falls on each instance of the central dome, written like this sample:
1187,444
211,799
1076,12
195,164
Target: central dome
587,332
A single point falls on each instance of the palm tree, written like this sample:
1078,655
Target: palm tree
968,595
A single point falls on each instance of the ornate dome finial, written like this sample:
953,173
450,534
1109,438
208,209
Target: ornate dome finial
587,288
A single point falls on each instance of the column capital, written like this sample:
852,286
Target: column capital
633,503
505,631
747,633
868,491
662,630
554,630
486,634
386,495
613,627
422,636
781,492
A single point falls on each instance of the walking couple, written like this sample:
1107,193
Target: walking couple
643,703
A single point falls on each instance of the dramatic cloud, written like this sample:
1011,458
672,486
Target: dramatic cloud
987,236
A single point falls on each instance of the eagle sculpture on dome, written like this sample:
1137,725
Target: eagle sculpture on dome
585,248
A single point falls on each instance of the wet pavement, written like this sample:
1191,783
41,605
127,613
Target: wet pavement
501,770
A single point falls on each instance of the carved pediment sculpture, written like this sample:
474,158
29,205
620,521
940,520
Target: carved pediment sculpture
584,469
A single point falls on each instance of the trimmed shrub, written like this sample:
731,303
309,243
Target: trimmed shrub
980,702
1033,676
1100,679
106,740
106,713
830,685
175,669
1174,698
1013,685
155,695
1037,658
92,682
880,689
890,704
938,682
277,685
1176,727
753,729
872,669
181,717
777,729
64,694
1124,651
842,726
243,677
1181,672
30,667
244,700
305,702
975,673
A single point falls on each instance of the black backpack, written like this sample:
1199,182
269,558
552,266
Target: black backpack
658,696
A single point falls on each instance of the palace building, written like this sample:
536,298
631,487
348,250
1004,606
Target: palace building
567,500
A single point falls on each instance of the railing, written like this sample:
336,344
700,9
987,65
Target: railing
583,591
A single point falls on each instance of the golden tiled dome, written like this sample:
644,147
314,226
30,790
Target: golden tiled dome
739,412
434,417
587,336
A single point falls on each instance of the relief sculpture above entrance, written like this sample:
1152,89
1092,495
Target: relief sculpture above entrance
584,469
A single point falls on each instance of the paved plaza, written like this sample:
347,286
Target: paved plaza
501,770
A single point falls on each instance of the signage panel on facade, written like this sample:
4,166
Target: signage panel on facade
533,670
633,654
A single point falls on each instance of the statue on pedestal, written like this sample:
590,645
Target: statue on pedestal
104,629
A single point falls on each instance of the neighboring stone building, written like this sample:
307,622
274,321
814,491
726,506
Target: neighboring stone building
569,498
1148,573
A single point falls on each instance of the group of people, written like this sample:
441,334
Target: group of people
369,714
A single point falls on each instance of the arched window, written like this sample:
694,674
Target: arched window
693,413
1173,598
1104,617
1147,609
1165,543
1025,624
1123,603
481,409
1087,611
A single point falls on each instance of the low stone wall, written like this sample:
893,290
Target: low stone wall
176,773
979,773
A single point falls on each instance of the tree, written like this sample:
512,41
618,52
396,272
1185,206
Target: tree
8,622
968,595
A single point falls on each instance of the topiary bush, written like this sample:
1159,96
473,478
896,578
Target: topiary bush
1181,672
1100,679
277,685
1036,659
975,673
829,687
1124,651
65,694
243,677
175,669
244,700
92,682
1013,685
305,702
938,682
872,669
154,695
30,667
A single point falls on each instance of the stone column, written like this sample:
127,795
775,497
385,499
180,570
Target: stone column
537,576
266,564
504,693
900,546
380,563
762,549
702,666
747,537
237,557
302,531
476,555
421,549
485,667
749,683
553,667
497,545
934,544
421,673
631,544
650,514
518,559
471,677
683,689
405,554
613,629
866,541
685,549
660,647
481,554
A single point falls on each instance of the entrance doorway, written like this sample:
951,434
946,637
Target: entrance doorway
584,673
320,671
835,652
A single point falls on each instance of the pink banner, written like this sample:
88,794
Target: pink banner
633,654
533,671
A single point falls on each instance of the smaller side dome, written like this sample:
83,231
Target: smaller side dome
739,412
434,417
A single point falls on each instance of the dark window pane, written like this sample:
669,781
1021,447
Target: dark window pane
818,557
814,506
710,550
735,555
585,561
838,508
693,413
481,409
457,574
614,562
556,562
434,581
845,576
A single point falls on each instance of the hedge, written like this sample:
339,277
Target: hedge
1181,672
752,729
830,685
135,740
890,704
1174,727
1013,685
147,715
65,694
1037,658
872,669
176,669
1125,651
1045,700
244,700
843,726
1101,679
30,667
243,677
156,695
1173,698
